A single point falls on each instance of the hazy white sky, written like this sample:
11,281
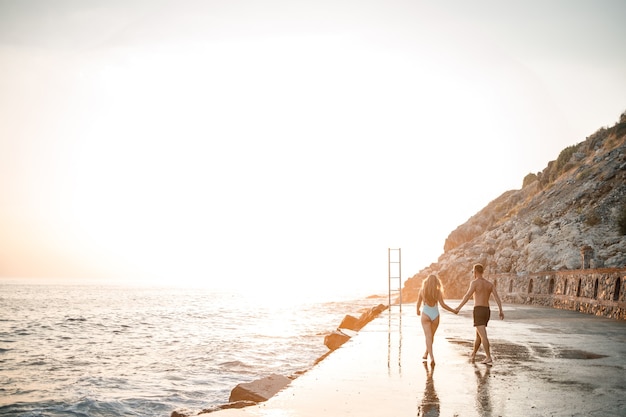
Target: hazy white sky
282,142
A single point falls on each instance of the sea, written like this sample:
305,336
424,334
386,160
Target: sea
75,349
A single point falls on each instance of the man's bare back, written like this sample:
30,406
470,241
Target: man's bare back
482,291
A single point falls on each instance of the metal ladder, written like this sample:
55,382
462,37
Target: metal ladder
394,260
394,332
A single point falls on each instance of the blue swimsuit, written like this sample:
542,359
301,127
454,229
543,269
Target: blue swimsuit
431,311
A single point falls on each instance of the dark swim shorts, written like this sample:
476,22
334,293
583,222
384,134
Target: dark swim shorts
481,315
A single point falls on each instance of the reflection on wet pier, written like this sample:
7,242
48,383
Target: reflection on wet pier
394,339
429,405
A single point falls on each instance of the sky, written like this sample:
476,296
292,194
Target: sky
282,144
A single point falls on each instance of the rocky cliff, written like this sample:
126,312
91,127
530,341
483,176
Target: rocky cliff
576,205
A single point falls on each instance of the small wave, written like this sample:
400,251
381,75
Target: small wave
4,350
235,365
84,407
75,319
232,363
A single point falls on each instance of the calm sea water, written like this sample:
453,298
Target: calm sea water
101,350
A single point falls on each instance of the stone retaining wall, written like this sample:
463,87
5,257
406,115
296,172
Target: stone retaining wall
601,292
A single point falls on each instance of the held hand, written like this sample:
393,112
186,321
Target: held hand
501,315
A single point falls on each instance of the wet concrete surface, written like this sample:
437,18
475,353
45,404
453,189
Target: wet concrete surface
547,362
554,363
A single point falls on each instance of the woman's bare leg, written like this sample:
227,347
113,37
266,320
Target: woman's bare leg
430,327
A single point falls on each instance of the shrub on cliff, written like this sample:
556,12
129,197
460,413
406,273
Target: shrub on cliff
620,128
529,179
563,159
559,166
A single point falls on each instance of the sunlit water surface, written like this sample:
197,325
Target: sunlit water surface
96,350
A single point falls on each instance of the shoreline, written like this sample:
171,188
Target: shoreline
262,389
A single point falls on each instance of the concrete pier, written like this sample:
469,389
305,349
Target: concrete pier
547,362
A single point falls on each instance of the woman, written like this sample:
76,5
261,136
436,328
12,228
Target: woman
432,295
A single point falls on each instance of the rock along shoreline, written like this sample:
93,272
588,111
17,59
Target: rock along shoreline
260,390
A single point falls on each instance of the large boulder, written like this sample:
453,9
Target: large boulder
370,315
336,339
259,390
349,322
352,323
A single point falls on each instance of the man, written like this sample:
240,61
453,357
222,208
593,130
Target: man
482,290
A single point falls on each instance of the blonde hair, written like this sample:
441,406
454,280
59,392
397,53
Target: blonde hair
431,287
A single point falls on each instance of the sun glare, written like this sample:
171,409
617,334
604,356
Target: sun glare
164,169
288,157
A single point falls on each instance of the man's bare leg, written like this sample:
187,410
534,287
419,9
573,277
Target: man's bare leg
482,332
477,343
